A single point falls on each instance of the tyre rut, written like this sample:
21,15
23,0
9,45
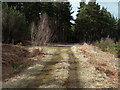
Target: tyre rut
73,81
44,75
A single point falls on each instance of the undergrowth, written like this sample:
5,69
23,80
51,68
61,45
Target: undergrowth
109,46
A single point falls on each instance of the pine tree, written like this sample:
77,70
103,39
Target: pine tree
93,24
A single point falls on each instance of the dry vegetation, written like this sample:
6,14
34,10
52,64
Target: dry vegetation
41,34
16,58
102,62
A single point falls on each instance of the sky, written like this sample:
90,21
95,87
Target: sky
111,5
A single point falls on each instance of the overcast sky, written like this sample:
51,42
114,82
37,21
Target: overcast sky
111,5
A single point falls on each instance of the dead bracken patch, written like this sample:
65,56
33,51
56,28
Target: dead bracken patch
12,53
100,63
103,62
15,58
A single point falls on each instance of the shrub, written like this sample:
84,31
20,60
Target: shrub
104,44
109,45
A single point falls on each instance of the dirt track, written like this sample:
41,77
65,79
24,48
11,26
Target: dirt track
80,66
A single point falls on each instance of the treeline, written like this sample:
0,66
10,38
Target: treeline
92,23
18,16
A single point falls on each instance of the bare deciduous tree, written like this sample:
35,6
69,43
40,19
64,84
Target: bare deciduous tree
42,34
